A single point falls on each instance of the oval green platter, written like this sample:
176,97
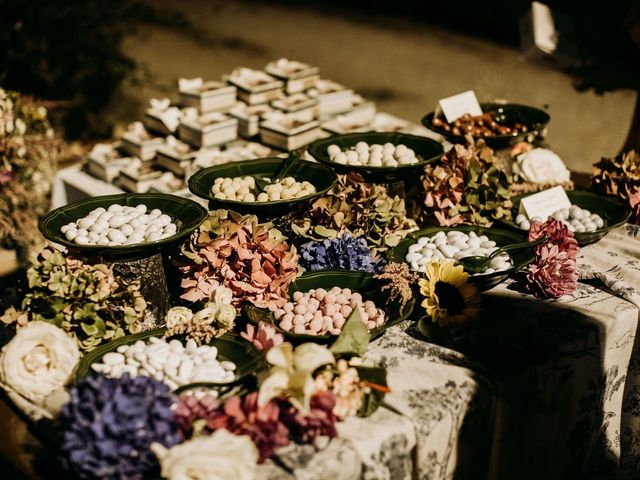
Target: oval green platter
320,176
360,282
429,150
484,281
613,211
534,118
187,214
230,347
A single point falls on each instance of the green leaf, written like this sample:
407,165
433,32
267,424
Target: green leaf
371,401
325,232
354,338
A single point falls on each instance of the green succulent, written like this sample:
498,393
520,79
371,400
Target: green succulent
87,301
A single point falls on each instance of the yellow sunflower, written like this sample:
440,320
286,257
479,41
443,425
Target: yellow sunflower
448,297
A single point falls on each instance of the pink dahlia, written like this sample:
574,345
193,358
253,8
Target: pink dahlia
554,273
558,234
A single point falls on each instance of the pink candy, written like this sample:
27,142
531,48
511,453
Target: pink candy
319,311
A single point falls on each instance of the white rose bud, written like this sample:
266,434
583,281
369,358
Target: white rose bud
177,315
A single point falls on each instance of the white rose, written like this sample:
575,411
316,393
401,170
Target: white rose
177,316
222,296
542,166
37,362
220,456
226,316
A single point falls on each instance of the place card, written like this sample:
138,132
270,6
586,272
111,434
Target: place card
457,105
545,203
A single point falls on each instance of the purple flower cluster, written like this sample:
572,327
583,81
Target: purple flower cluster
110,423
342,253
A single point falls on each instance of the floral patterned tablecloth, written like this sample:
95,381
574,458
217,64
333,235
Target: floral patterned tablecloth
534,390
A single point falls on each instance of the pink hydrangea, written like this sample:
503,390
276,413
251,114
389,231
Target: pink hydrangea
553,274
558,234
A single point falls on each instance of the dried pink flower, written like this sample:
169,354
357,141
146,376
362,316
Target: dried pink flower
262,337
554,273
321,421
558,234
250,258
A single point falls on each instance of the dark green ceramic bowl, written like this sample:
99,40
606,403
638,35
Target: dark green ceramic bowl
230,347
320,176
613,211
187,214
534,118
427,149
483,281
360,282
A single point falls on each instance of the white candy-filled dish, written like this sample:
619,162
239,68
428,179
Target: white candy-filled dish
313,180
122,224
246,189
180,363
612,211
378,157
442,243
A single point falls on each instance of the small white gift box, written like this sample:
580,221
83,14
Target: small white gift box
161,117
289,131
175,156
332,97
208,130
105,161
138,142
249,117
298,102
357,120
298,75
208,96
138,177
255,86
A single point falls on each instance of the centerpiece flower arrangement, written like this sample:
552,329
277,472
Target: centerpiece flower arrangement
359,209
252,259
28,157
465,186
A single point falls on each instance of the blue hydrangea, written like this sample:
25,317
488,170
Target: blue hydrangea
110,423
341,253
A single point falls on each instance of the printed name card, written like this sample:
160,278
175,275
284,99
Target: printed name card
543,204
456,106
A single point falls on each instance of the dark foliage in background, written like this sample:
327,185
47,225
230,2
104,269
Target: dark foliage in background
70,51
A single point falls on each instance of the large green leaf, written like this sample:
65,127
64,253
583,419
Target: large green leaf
354,338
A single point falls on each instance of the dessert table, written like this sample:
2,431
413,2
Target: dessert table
555,396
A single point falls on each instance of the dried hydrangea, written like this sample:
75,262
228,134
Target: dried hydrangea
87,301
361,209
466,186
28,156
553,274
341,253
399,281
263,337
619,175
319,421
109,424
250,258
